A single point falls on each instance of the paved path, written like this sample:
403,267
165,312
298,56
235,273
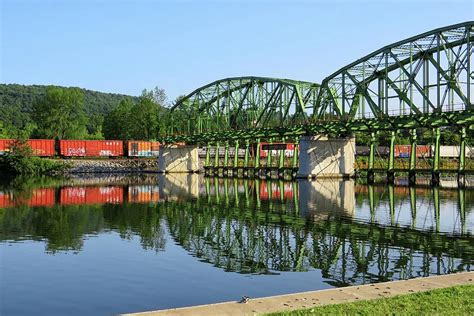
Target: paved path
323,297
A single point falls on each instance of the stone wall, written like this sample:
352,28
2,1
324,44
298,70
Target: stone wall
111,165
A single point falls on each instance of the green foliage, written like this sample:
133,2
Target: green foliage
60,114
142,120
19,161
17,104
145,119
117,124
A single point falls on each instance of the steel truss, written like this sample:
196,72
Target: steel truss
243,103
422,81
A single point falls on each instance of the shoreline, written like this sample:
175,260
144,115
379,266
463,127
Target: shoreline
297,301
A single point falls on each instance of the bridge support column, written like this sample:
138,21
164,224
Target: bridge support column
322,157
226,155
412,168
178,159
268,167
246,158
257,159
208,155
391,159
370,171
216,157
295,159
281,161
435,174
236,156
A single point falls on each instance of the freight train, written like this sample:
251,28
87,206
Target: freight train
422,151
132,148
87,148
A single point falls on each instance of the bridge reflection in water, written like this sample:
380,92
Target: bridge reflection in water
353,233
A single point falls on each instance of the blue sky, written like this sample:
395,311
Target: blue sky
126,46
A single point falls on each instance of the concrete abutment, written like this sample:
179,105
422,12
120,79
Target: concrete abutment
178,159
323,157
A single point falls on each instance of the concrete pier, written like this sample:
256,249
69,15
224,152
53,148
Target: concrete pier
178,159
323,157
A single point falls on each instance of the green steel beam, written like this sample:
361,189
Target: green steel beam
391,159
391,80
462,151
412,166
236,155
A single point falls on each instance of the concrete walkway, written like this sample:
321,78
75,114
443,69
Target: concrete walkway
323,297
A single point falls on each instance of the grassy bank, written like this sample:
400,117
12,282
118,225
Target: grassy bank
458,300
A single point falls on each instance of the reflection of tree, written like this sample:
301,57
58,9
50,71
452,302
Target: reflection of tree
137,219
62,227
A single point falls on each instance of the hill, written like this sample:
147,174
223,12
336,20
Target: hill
16,104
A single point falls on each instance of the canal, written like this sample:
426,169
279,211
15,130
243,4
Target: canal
117,244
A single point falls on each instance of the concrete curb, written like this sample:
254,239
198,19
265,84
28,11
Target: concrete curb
324,297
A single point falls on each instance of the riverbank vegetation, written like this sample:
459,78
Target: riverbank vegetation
457,300
19,161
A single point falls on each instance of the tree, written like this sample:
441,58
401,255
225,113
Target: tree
117,124
145,119
157,95
60,114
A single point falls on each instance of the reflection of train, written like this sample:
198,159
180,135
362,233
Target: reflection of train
87,148
273,191
83,195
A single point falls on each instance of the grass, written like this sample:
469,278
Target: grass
457,300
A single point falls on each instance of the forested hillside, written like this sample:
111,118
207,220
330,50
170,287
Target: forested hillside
35,111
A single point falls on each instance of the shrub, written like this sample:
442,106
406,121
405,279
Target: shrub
19,161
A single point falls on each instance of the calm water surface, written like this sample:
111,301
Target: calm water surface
101,246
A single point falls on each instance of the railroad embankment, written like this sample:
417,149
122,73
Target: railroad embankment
83,166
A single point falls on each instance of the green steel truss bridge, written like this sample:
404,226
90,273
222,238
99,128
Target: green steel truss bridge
425,81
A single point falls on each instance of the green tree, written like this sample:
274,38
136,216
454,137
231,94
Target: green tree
157,95
117,124
145,119
60,114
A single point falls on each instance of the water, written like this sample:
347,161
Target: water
111,245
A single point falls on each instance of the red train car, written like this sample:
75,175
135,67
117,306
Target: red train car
91,195
91,148
404,151
274,149
5,145
42,147
142,148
